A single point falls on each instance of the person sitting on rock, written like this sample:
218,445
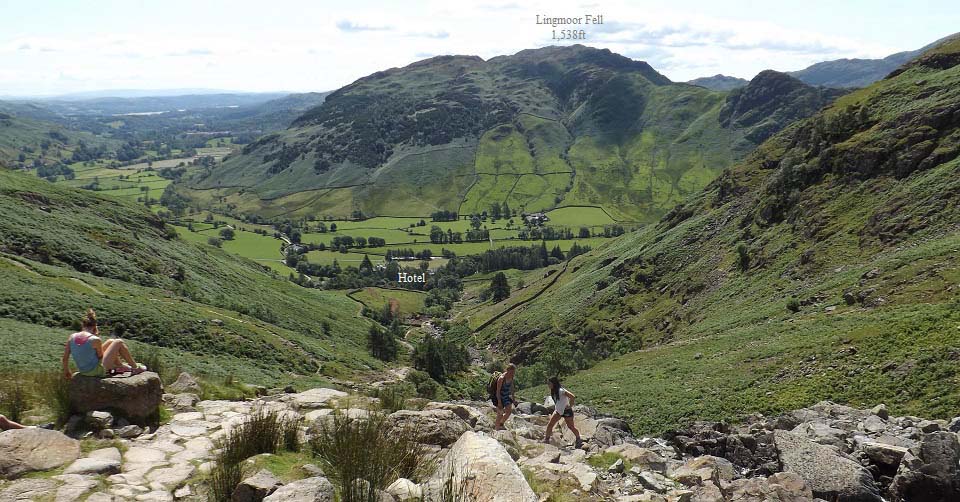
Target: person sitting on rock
562,408
6,424
505,397
95,358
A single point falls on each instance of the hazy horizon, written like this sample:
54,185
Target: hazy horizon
52,48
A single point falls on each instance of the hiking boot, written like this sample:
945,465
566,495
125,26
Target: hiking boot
578,443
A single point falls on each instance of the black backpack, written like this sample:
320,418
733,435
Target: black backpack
492,385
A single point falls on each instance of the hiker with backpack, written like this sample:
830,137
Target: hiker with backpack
563,401
501,390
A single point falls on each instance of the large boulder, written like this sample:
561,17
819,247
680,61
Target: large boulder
435,427
136,398
780,487
315,489
256,488
830,474
929,472
28,450
478,467
472,416
315,398
185,384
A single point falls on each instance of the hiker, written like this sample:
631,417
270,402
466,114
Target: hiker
504,396
562,408
95,358
6,424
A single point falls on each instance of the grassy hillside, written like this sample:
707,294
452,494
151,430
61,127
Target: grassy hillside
824,266
64,250
24,142
540,129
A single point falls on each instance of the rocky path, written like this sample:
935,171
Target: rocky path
825,452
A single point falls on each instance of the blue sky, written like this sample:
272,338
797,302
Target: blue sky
51,47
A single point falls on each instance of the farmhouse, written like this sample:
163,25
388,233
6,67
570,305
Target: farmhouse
536,218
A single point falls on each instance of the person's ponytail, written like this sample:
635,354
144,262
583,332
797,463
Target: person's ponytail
89,322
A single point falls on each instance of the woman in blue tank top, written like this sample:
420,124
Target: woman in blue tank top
94,357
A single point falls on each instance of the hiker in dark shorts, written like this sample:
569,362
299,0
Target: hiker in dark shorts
504,396
563,408
96,358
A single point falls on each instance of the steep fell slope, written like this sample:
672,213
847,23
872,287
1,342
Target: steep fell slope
64,250
541,128
824,266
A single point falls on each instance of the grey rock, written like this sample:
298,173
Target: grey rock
98,420
829,474
24,490
616,467
435,427
315,489
256,488
185,383
880,410
136,398
28,450
129,432
94,466
929,472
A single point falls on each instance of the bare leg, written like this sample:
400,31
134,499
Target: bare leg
553,421
7,424
573,428
506,414
111,354
126,355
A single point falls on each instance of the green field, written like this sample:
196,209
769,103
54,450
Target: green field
410,302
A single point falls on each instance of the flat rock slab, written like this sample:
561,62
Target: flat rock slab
94,466
485,470
74,487
315,398
29,450
316,489
170,478
144,455
23,490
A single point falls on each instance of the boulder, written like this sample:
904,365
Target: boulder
780,487
642,458
479,466
704,470
24,490
256,488
28,450
185,384
315,489
886,457
830,474
99,420
181,402
136,398
436,427
405,490
315,398
929,471
471,416
129,432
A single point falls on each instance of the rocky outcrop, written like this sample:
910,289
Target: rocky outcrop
255,488
434,427
315,489
830,474
185,384
929,471
136,398
28,450
480,467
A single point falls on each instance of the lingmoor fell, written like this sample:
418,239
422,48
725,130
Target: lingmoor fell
555,274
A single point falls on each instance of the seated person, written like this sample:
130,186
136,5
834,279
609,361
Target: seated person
95,358
6,424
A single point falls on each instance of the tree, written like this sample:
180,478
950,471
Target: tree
333,227
382,343
215,242
743,256
227,234
366,267
499,287
475,221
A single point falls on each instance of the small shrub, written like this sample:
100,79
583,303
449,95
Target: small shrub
56,395
793,305
743,257
363,455
392,398
14,401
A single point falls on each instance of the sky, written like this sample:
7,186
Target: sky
50,47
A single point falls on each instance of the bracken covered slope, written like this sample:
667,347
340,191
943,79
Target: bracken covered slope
824,266
541,128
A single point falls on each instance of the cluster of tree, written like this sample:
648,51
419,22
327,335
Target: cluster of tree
444,215
546,234
477,234
172,173
322,227
407,254
127,152
176,203
85,152
52,172
383,342
499,288
438,236
440,358
356,242
612,230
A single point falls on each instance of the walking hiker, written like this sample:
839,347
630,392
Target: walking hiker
563,401
96,358
504,397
